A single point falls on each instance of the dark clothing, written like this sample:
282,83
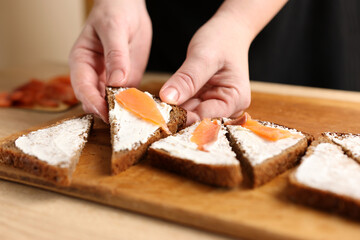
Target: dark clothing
313,43
174,24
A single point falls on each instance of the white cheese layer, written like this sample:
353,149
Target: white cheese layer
179,145
131,131
329,169
350,142
56,145
257,149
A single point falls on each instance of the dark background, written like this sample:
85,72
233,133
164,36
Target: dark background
312,43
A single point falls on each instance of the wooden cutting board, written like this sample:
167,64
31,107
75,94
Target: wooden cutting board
262,213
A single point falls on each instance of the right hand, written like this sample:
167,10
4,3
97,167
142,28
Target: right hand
112,50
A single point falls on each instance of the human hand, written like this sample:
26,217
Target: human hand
112,50
213,81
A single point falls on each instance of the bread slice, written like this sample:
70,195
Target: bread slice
131,135
51,152
328,179
349,142
263,160
176,153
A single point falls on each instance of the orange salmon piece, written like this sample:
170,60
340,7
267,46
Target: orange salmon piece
25,95
205,133
5,99
241,120
59,89
46,94
268,133
143,106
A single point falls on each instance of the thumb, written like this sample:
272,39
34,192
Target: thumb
197,69
116,53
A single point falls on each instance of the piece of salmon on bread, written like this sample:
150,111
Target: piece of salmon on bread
195,153
265,149
327,178
51,152
134,125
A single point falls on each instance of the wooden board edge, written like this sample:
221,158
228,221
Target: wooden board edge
133,204
61,108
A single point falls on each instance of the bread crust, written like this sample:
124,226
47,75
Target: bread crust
321,199
324,200
13,156
228,176
255,176
122,160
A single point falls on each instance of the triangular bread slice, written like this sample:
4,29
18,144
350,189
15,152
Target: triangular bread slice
131,135
51,152
328,179
349,142
176,153
261,159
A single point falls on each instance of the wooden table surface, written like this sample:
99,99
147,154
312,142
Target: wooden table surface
32,213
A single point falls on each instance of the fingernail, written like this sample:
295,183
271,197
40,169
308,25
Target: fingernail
171,95
97,112
117,79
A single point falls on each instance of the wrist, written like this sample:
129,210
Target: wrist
250,16
114,2
233,28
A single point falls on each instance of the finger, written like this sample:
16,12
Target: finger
139,54
221,102
102,84
234,91
237,114
191,117
197,69
102,89
114,39
209,109
86,65
85,84
191,104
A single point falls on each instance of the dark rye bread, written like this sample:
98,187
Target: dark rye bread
122,160
344,148
220,175
255,176
322,199
228,176
12,156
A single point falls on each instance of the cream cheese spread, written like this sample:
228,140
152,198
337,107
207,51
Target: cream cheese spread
129,130
329,169
350,142
179,145
56,145
257,149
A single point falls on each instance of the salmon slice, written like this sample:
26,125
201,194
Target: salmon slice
205,133
59,88
25,95
143,106
239,120
268,133
5,99
45,94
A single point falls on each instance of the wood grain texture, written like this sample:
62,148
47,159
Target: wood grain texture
254,214
32,213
